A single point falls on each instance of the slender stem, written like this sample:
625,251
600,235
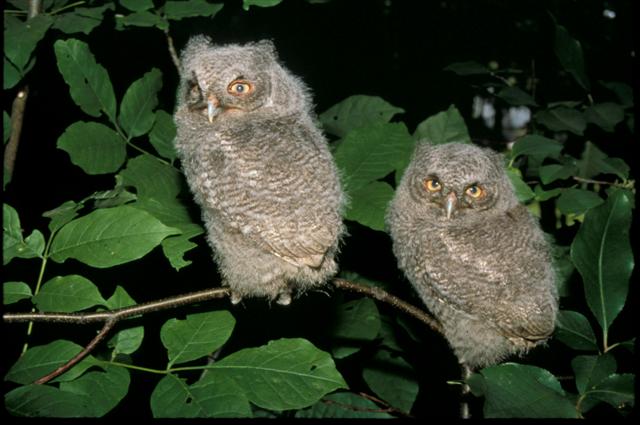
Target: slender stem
134,367
172,49
68,6
627,185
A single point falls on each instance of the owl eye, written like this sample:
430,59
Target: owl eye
433,185
475,191
240,88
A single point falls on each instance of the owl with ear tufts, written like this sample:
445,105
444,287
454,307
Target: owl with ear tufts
474,254
259,168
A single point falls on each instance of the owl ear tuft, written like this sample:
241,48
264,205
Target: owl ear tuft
267,47
196,45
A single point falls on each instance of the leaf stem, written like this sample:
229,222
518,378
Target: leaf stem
134,367
68,6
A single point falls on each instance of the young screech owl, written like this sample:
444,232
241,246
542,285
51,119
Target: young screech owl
259,168
474,254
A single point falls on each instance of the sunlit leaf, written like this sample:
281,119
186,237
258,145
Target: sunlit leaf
602,254
108,237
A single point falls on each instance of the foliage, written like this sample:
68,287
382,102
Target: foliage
126,134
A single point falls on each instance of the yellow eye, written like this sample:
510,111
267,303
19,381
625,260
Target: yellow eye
475,191
432,185
240,88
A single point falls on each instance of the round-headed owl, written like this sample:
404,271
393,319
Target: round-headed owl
259,168
474,254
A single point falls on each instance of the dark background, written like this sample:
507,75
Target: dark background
393,49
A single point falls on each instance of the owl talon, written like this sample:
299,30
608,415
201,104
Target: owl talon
235,298
284,298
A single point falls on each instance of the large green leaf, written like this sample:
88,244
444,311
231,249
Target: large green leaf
594,162
108,237
38,361
552,172
81,19
284,374
562,119
177,10
213,396
569,52
355,323
89,82
537,147
125,341
591,370
617,389
136,111
520,391
12,292
196,336
574,330
392,379
21,38
602,254
368,205
522,189
93,147
577,201
162,135
605,115
102,390
356,112
152,178
175,247
67,294
344,405
13,245
444,127
370,153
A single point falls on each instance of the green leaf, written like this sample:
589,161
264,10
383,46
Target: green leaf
197,336
354,324
515,96
88,81
563,267
22,37
141,98
177,10
569,52
370,153
574,330
143,19
175,247
552,172
467,68
102,390
260,3
605,115
537,147
545,195
623,92
562,119
66,294
356,112
591,370
594,162
13,245
109,237
368,205
162,135
11,74
137,5
577,201
62,215
617,390
38,361
443,127
93,147
45,401
520,391
81,19
393,379
522,189
152,178
12,292
344,405
300,372
213,396
126,341
602,254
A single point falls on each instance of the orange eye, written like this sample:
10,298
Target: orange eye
475,191
240,88
432,185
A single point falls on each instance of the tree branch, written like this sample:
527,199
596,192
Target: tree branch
172,50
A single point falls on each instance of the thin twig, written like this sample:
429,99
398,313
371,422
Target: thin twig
172,50
626,185
81,355
392,300
384,403
17,118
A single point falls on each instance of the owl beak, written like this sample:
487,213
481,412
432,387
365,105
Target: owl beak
212,108
450,204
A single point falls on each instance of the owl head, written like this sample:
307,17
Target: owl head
234,80
455,182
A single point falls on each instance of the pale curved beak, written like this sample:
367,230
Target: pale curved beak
450,204
213,108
